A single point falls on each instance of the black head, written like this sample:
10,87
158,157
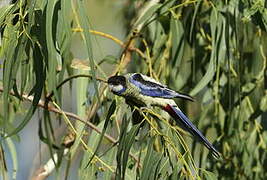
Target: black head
117,80
117,84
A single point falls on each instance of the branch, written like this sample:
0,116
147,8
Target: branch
48,97
130,48
51,108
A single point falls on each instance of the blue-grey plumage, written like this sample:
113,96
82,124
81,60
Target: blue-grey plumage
150,87
186,124
144,91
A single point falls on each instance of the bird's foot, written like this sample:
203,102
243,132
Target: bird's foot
144,108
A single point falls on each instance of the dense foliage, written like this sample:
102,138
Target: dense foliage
212,50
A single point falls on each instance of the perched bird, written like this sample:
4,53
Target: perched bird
142,91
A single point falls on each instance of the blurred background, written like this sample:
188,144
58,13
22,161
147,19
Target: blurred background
105,16
213,50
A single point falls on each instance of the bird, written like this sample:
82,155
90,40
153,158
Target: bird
143,91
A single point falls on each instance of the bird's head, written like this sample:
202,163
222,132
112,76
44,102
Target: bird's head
117,84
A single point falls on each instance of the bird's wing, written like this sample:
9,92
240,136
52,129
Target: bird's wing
151,87
186,124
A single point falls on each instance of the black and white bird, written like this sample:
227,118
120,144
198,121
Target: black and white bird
143,91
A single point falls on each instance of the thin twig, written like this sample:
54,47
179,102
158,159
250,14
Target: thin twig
138,51
70,78
51,108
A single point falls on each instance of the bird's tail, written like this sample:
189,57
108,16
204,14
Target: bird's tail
184,96
186,124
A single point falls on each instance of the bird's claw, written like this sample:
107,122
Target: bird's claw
144,108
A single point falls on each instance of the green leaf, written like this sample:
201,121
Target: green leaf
216,33
5,11
205,80
209,175
111,110
126,141
51,19
129,140
3,164
109,59
110,159
88,42
247,88
10,49
194,19
263,103
177,41
90,172
151,163
37,89
147,14
13,152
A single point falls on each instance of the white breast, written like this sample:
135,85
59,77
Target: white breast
155,101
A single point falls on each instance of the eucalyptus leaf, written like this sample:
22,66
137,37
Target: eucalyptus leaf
147,14
110,113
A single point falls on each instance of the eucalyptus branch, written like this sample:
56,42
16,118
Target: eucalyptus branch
73,77
108,36
51,108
